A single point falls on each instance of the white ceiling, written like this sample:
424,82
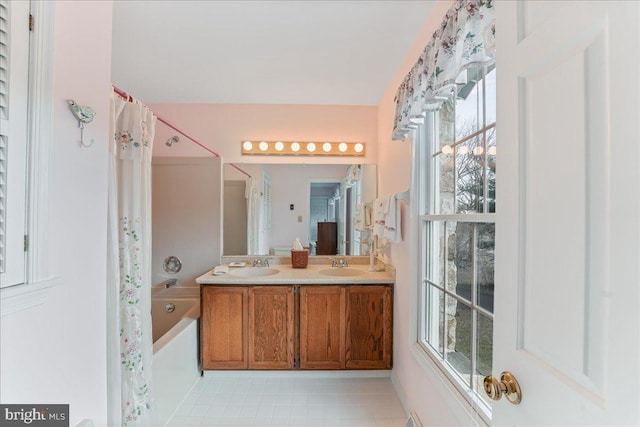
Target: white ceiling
268,52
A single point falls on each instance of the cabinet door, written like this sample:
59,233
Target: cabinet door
224,327
271,327
369,327
322,327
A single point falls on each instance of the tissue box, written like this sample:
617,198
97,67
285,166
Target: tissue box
299,259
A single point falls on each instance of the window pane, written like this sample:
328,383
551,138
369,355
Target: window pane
484,351
444,165
459,329
490,100
469,100
434,320
435,252
486,244
446,123
461,265
469,176
491,170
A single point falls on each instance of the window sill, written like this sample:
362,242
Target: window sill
476,416
22,297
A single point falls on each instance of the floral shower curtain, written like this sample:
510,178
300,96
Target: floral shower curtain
129,259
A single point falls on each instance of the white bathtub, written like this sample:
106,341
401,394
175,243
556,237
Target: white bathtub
175,348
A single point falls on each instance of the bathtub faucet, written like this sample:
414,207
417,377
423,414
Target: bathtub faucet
170,282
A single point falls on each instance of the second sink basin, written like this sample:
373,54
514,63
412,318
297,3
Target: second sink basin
254,271
342,272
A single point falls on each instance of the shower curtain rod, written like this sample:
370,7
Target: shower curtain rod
128,97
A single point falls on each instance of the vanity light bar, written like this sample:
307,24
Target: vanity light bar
295,148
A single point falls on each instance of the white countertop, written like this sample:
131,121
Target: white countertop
311,275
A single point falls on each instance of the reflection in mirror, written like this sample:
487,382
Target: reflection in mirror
281,202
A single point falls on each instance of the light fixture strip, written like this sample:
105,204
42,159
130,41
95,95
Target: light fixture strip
300,148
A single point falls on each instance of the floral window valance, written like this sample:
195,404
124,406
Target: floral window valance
466,38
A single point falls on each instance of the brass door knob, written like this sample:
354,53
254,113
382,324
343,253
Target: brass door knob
507,386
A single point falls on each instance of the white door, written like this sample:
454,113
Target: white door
567,263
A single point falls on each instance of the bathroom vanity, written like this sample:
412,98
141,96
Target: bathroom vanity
285,318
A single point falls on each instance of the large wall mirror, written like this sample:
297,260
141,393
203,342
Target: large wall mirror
316,203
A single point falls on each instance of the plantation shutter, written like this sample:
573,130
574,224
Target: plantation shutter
14,71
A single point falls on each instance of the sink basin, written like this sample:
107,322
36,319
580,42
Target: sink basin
342,272
254,271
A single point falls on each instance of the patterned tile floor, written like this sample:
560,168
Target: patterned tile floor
289,400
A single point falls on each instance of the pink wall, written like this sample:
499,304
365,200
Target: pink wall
422,385
56,352
223,126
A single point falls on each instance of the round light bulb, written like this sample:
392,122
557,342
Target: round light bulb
326,147
492,150
358,147
446,149
342,147
463,150
311,147
263,146
295,147
478,150
279,146
247,145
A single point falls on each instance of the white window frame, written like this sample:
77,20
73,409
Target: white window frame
38,279
424,181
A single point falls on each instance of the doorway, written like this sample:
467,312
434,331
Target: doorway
325,206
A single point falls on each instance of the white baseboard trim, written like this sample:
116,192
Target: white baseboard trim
402,395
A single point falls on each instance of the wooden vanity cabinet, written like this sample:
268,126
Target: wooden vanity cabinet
247,327
271,327
322,327
369,327
224,327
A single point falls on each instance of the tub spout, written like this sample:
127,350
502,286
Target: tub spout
170,282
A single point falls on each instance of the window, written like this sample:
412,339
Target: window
457,162
14,71
26,106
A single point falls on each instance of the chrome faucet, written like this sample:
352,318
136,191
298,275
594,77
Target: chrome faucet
339,262
257,262
170,282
